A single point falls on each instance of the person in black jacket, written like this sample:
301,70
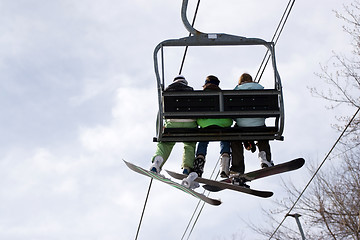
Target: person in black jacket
163,149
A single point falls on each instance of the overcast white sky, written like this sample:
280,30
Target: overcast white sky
78,94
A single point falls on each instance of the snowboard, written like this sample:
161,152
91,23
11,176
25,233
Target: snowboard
172,183
265,172
223,185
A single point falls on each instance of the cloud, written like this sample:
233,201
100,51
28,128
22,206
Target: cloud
132,125
79,94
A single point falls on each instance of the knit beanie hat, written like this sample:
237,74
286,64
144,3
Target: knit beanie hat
180,79
212,79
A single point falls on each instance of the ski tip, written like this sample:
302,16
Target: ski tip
300,161
217,202
127,163
212,188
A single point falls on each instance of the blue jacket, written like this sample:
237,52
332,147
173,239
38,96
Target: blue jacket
249,122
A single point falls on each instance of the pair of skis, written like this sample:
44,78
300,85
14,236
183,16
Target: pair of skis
215,186
172,183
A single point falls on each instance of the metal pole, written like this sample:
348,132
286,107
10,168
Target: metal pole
296,216
359,222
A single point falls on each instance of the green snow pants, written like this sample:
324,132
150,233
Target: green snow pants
164,149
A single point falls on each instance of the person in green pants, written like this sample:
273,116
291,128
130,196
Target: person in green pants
163,149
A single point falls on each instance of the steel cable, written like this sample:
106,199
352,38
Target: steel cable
142,214
274,39
318,169
186,48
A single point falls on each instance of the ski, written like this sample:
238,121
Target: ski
172,183
223,185
265,172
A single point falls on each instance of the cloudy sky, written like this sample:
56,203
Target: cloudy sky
78,95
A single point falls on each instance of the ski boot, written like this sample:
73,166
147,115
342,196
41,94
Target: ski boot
186,170
199,164
156,166
225,165
264,162
189,181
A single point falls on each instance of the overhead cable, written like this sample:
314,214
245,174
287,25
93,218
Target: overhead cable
202,206
186,48
274,39
142,214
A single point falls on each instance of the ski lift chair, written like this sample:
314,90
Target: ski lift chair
267,103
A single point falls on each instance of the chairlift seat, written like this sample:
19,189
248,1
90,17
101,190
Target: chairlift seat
222,104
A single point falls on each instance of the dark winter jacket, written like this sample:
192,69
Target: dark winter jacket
178,86
187,123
